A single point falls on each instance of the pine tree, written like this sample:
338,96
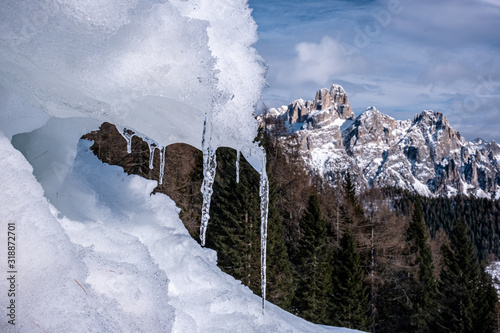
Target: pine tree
234,228
409,296
422,295
280,284
350,298
313,272
352,205
468,299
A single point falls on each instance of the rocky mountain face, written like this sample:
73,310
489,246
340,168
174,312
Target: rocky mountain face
424,155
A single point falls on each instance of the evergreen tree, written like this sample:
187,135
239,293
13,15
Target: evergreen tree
408,301
234,228
422,295
352,205
313,270
350,298
468,299
280,284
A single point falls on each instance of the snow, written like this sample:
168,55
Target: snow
481,194
451,191
494,270
339,122
421,188
152,66
321,156
107,256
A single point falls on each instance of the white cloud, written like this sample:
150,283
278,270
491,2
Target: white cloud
319,63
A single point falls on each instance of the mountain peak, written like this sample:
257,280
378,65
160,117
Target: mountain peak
429,116
330,107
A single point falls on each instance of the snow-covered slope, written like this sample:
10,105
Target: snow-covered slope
107,256
494,270
424,155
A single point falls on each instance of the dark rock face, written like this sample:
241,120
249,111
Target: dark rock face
424,155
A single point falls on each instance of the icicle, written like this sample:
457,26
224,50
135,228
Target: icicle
209,168
264,209
238,167
128,135
152,147
162,164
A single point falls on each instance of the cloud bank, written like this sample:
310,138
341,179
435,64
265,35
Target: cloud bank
402,56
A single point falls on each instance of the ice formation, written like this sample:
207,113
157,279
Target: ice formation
152,67
238,167
209,169
264,209
128,135
163,152
152,148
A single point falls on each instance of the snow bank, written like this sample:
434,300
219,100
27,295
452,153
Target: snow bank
154,66
53,291
107,256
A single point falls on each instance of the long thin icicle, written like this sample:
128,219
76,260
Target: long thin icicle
162,164
238,167
209,169
264,210
152,148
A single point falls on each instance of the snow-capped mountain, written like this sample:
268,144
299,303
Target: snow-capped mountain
425,155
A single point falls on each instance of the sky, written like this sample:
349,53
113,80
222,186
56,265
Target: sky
401,56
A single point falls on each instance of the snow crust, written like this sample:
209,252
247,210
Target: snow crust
104,255
156,67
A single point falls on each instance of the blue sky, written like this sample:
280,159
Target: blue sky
402,56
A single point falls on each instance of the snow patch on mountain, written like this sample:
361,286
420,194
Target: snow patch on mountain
494,270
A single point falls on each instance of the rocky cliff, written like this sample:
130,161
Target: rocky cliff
425,155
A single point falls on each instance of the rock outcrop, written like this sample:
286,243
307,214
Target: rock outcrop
425,155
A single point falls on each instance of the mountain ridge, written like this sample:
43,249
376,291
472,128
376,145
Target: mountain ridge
424,155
